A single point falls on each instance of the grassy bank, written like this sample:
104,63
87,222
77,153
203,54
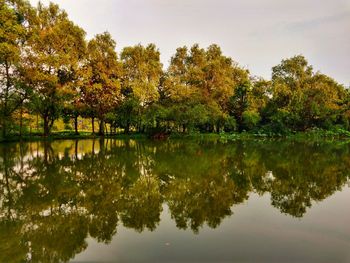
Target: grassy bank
311,134
69,136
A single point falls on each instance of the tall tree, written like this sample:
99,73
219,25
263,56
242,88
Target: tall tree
12,36
239,102
101,90
302,99
205,77
175,85
142,71
55,48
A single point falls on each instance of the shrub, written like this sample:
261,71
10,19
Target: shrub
250,119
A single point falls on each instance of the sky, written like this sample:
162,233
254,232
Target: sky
257,34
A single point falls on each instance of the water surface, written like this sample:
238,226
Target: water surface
175,201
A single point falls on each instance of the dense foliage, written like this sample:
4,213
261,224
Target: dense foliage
50,72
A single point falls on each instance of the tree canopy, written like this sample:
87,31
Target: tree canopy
49,69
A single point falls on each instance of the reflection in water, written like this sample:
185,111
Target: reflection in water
54,195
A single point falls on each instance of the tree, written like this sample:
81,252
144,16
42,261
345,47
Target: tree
345,116
73,109
239,103
127,113
302,99
12,36
176,87
101,88
142,71
205,77
293,72
55,47
322,102
289,79
260,95
141,76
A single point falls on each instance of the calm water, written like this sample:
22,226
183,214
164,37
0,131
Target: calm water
175,201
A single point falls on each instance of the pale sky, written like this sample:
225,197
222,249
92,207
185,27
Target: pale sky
255,33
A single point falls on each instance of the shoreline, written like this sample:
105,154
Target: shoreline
309,135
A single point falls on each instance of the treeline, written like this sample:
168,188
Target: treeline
48,69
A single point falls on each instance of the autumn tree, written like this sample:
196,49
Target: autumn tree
55,48
101,88
142,70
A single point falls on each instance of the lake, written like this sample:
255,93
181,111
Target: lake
175,201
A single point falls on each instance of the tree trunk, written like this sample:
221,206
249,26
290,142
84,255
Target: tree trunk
6,95
4,128
46,126
127,128
37,123
76,125
218,127
139,128
101,131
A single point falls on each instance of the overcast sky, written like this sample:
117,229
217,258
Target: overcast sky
255,33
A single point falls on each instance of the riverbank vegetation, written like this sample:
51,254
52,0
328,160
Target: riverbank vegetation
52,79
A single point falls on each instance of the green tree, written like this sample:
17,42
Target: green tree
12,36
101,88
260,95
205,77
239,103
127,114
142,71
302,99
55,47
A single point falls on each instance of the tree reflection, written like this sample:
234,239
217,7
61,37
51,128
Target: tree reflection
54,195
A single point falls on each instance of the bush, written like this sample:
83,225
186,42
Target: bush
230,124
67,127
250,119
